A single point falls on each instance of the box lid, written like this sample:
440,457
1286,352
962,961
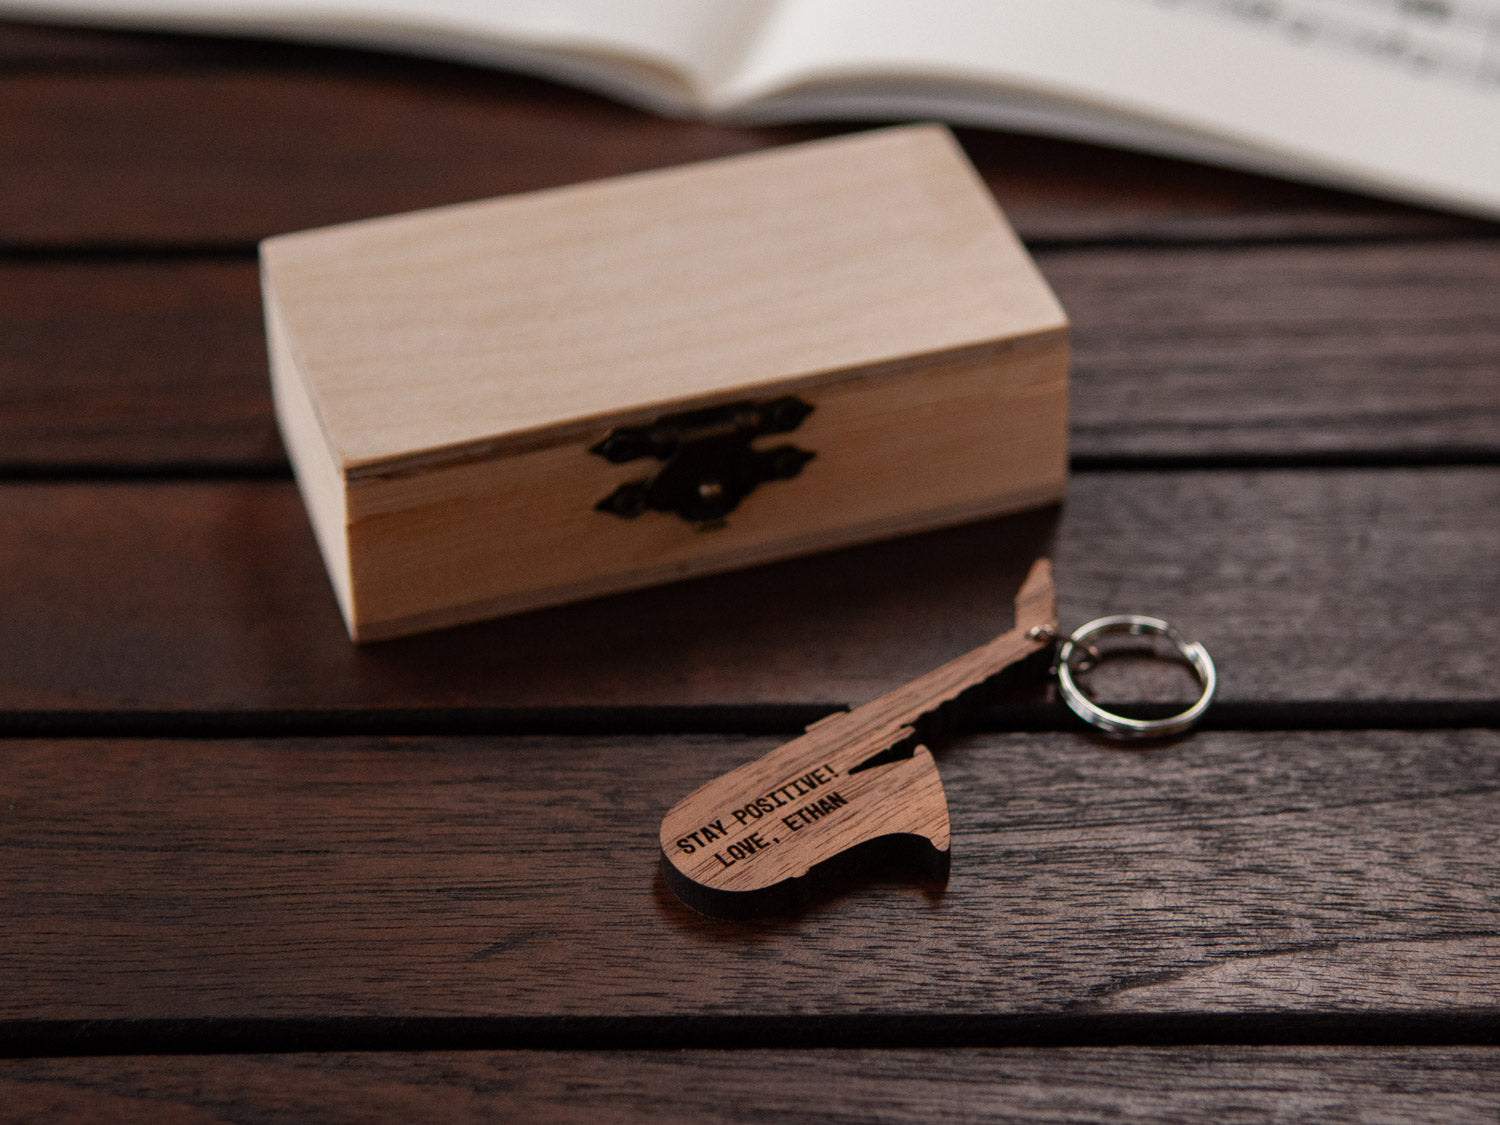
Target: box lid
468,330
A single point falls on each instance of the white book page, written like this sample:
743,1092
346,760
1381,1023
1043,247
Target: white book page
1398,96
1402,96
666,53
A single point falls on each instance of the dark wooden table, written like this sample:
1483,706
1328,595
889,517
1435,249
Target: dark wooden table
248,870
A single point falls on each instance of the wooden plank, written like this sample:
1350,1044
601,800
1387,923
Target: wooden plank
134,364
1270,351
58,48
1229,876
1444,1086
1375,586
1292,350
289,147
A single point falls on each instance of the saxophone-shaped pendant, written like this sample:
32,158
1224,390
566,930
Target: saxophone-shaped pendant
740,844
861,787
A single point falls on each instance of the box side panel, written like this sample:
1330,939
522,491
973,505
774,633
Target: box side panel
319,478
979,435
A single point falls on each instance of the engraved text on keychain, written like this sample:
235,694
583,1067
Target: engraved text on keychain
740,844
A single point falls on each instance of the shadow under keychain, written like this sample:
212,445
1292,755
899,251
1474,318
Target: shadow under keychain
744,843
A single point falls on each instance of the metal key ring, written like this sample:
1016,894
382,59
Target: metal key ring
1135,625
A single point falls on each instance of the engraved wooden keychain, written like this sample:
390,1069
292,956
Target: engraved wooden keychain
741,844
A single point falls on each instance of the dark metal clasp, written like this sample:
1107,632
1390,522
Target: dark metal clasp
710,464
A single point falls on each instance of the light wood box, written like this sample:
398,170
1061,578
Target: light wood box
444,379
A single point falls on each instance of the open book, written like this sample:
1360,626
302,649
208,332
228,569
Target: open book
1396,97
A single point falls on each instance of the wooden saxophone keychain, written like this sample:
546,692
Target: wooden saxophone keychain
741,844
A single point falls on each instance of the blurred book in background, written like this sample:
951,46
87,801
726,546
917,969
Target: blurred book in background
1399,98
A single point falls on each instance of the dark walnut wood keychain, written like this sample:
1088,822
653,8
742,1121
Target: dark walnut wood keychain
863,781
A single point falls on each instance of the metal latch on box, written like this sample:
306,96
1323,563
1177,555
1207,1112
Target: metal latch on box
710,464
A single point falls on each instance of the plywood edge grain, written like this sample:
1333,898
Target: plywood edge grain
319,479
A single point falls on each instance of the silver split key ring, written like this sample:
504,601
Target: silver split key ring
1080,644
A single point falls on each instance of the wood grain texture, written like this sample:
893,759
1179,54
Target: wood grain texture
1227,875
723,842
1441,1086
1372,586
137,158
453,332
1271,351
1259,885
109,158
134,364
442,377
1314,350
915,447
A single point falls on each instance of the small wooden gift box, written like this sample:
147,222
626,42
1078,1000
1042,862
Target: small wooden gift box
527,400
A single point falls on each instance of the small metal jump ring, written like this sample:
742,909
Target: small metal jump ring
1135,625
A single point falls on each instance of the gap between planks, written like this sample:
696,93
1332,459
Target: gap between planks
788,719
21,1039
